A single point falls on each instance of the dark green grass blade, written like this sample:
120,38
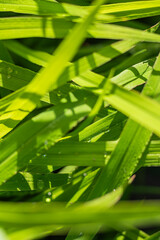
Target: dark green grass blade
32,93
47,128
29,182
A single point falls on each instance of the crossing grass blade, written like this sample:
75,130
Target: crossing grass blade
26,27
91,154
131,235
136,136
121,12
67,149
15,77
48,127
124,158
30,96
154,236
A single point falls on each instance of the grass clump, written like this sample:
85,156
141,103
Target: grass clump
79,119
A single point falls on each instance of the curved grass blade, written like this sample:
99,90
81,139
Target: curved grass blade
30,96
14,77
131,234
132,144
124,158
154,236
47,128
134,213
41,7
115,12
25,27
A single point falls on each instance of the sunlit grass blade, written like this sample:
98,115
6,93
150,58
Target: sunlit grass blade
32,232
131,234
112,13
133,141
123,214
26,27
30,96
47,128
32,7
129,149
15,77
29,182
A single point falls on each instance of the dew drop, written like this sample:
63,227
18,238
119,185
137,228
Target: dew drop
47,200
8,76
84,174
40,184
38,154
124,170
10,70
69,179
53,197
59,94
49,194
44,155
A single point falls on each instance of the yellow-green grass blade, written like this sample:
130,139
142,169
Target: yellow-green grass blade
135,106
31,7
129,149
84,64
3,235
108,13
25,27
47,128
13,77
123,214
30,96
124,158
32,232
131,234
129,10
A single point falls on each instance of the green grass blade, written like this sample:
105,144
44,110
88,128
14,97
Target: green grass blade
111,13
31,95
154,236
48,127
134,213
41,7
25,27
29,182
133,141
15,77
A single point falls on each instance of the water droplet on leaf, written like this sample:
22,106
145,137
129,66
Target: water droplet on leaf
40,184
47,200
